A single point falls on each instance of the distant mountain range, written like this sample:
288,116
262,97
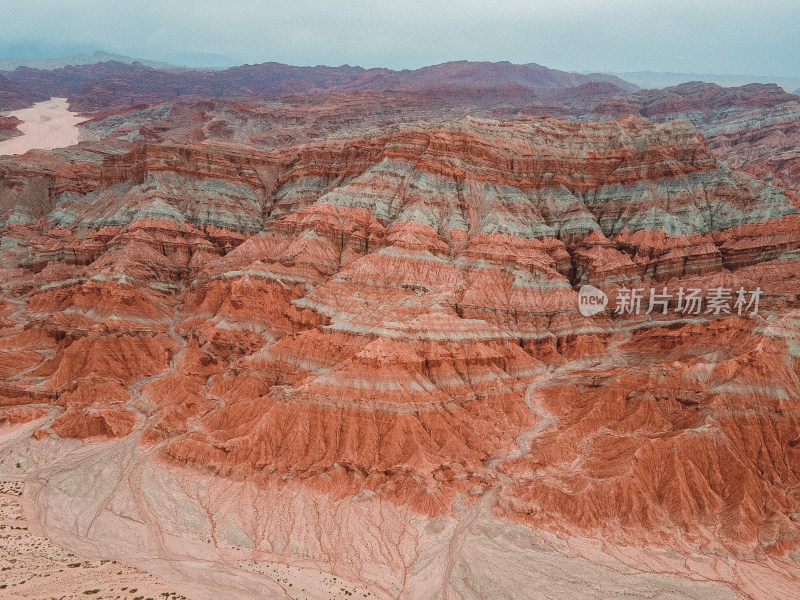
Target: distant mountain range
94,85
9,64
499,72
118,84
656,80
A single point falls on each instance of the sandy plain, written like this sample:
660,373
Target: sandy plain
45,125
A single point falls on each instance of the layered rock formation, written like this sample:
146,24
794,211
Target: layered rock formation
364,353
699,97
752,127
762,143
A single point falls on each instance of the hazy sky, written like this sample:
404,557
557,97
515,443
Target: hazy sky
706,36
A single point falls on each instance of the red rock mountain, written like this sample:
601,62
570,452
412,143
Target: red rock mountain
312,332
14,95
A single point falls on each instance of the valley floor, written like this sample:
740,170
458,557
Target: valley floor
45,126
31,567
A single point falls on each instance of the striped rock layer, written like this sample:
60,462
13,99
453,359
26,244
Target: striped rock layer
392,317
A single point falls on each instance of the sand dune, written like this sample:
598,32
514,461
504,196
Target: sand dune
46,125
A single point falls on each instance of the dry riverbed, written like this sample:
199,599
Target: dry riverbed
45,125
33,568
